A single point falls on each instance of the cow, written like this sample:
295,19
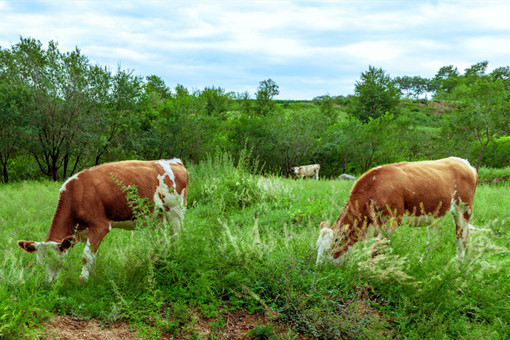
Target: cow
307,170
384,195
93,201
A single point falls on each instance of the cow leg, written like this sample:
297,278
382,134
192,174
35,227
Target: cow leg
96,233
461,214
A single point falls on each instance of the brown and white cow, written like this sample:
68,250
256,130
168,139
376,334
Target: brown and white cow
307,170
383,195
93,201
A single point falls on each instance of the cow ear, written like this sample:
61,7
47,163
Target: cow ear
28,246
66,243
324,224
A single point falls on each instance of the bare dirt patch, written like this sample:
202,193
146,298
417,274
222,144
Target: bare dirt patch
70,328
441,108
235,325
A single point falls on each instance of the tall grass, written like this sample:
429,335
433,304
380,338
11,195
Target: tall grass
248,242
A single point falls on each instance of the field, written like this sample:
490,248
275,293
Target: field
247,252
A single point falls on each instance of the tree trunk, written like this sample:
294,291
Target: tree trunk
483,146
5,173
481,154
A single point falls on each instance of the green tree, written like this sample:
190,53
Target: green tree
445,80
352,146
295,138
13,124
339,147
60,111
244,102
502,72
74,110
117,109
412,86
326,104
266,91
216,100
375,95
476,70
483,114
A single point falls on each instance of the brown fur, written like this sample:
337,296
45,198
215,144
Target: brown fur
94,199
383,195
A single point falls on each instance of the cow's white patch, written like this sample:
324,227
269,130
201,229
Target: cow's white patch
49,255
453,202
458,210
323,244
465,161
373,179
166,165
167,201
89,262
73,177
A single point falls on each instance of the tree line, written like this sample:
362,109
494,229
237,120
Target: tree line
59,113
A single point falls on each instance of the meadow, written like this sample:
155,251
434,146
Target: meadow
248,244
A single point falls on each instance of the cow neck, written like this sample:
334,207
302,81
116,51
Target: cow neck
351,220
63,224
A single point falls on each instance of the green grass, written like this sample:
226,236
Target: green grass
249,243
493,176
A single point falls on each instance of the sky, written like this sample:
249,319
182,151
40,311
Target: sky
308,48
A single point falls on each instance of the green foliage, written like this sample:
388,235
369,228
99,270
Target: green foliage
13,123
281,140
375,95
216,100
60,114
225,185
445,80
258,255
266,91
497,154
482,114
492,175
74,109
354,147
326,104
262,332
412,86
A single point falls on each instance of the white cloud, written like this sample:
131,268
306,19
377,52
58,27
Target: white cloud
308,45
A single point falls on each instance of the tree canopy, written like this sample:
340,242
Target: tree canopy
374,95
59,114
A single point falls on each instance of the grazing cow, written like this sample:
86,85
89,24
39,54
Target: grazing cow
93,201
386,193
307,170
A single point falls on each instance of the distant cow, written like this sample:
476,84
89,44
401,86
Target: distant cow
307,170
93,201
385,194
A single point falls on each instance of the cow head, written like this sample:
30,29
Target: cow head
330,245
49,254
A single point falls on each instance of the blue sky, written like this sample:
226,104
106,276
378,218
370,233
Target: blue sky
309,48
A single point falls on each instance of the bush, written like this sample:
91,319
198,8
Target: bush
497,154
223,184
